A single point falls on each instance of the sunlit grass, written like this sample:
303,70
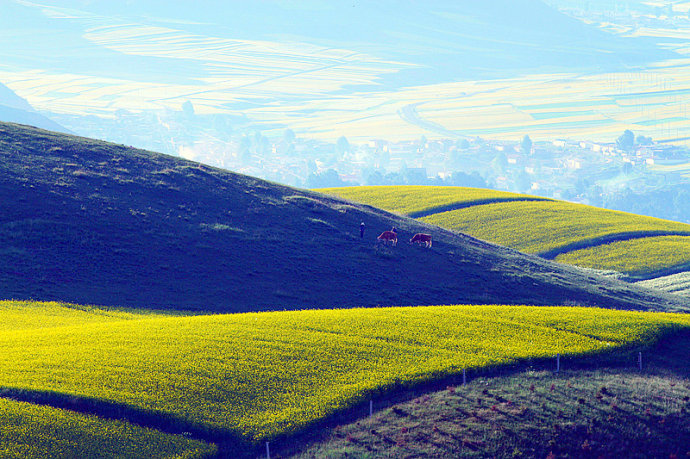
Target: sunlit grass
636,256
540,226
411,199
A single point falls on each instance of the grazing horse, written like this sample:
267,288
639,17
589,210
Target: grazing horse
421,238
388,236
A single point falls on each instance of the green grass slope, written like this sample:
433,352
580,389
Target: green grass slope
90,222
242,378
592,412
677,283
571,233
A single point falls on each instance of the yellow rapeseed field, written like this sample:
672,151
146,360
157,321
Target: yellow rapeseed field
535,226
635,256
411,199
540,226
18,315
39,432
261,375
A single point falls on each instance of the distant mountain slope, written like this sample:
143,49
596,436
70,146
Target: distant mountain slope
15,109
91,222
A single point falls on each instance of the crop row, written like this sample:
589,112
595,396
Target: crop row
30,431
262,375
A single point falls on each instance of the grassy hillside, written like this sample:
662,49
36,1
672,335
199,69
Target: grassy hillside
571,233
96,223
678,283
255,376
590,412
29,431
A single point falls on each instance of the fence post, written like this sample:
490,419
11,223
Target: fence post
268,451
371,408
558,363
464,378
639,360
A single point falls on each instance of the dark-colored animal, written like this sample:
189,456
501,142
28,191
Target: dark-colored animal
421,238
388,236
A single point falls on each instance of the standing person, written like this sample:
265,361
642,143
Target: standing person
362,227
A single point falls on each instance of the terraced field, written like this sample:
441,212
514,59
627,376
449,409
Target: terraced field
571,233
259,376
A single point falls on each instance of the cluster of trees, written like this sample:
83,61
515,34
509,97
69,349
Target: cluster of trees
672,203
627,140
418,177
410,176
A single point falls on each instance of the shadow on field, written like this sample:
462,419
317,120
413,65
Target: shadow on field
164,422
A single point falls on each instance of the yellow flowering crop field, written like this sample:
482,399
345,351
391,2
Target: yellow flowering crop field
635,256
263,375
537,225
30,431
541,226
19,315
412,199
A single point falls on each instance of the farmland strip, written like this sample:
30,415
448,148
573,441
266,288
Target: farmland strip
268,375
31,431
106,409
466,204
607,239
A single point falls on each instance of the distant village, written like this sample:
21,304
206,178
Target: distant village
630,173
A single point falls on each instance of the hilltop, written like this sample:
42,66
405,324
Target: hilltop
91,222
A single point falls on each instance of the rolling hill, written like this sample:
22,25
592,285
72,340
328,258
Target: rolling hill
638,246
159,380
90,222
36,431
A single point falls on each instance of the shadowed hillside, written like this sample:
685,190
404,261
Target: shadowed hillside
91,222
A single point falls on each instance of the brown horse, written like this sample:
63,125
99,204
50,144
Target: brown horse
388,236
421,238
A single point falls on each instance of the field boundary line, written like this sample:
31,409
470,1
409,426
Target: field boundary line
621,356
465,204
602,240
